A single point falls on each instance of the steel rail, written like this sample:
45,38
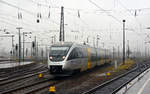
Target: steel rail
123,85
23,72
23,87
109,81
21,78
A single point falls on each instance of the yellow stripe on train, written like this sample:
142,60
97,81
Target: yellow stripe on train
89,59
89,64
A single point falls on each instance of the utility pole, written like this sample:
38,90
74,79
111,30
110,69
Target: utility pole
35,46
19,43
26,52
54,38
37,49
87,39
128,51
23,45
46,51
94,42
118,52
114,53
97,40
13,46
148,52
145,51
62,35
124,41
32,49
16,48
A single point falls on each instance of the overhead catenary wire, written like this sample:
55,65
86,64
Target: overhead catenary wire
120,21
27,25
59,8
14,6
11,22
4,2
128,10
29,12
115,18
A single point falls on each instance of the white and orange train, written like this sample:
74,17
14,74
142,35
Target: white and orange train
67,58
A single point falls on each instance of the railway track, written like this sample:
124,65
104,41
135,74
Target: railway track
25,85
15,74
29,85
26,75
22,82
20,78
114,85
25,80
10,71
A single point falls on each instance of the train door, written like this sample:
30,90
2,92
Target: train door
74,59
84,54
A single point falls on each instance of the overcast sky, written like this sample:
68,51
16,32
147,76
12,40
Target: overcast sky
87,18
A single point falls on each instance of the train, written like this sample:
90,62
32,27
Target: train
67,58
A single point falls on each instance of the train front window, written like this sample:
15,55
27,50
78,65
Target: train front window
58,53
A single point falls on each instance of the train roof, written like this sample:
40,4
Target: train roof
69,44
63,44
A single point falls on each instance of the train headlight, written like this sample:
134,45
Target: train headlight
63,57
50,57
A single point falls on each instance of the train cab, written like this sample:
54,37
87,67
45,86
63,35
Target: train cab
57,57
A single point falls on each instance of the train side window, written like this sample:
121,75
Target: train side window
80,53
73,54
